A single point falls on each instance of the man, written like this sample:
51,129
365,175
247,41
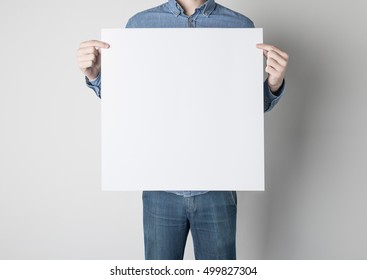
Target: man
211,216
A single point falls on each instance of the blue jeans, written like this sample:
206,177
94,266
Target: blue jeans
211,217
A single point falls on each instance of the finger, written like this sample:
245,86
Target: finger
95,43
87,50
90,57
268,48
265,53
85,64
274,74
270,70
277,57
275,64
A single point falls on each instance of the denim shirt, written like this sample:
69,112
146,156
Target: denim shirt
208,15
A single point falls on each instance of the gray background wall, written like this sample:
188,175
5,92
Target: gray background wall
51,205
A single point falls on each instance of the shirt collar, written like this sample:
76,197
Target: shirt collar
207,8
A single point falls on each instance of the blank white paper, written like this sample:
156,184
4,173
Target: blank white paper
182,109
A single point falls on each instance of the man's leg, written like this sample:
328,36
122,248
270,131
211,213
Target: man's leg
165,226
213,225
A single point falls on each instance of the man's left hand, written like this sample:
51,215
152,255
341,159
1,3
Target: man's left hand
276,65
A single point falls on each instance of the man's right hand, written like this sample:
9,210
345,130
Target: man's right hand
89,58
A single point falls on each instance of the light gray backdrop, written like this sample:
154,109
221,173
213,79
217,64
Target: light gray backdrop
51,204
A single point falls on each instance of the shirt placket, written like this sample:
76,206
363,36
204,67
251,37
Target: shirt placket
192,19
191,22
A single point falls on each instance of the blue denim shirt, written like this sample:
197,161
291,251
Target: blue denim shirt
208,15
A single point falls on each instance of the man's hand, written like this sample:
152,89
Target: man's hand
276,65
89,58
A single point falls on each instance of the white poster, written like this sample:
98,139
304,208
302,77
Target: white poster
182,109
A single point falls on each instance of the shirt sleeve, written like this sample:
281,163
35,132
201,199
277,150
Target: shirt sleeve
271,99
95,84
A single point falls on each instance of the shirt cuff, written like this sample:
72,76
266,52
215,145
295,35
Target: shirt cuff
272,98
95,84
